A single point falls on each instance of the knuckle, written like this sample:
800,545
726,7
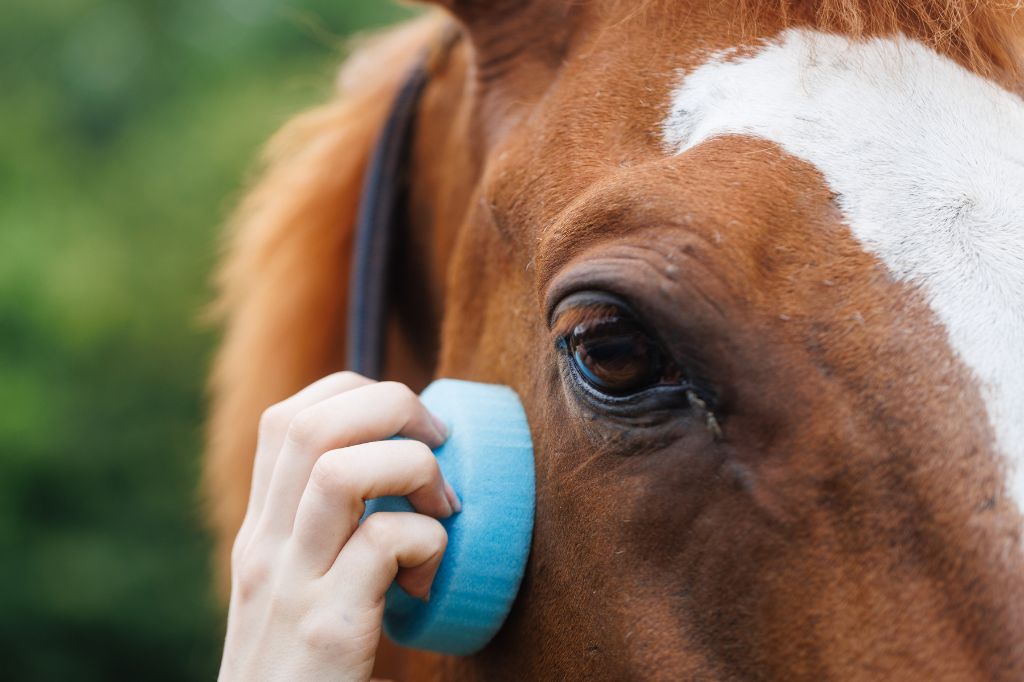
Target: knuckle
402,395
319,632
347,377
304,427
252,573
424,463
331,479
378,532
275,418
239,547
438,535
329,476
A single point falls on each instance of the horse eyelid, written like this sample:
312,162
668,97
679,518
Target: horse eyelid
582,299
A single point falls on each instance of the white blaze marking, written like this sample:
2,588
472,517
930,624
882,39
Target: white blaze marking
927,162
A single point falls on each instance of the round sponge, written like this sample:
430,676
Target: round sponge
488,459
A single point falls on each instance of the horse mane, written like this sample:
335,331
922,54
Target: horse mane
985,36
283,281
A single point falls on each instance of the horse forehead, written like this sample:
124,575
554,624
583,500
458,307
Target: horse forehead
926,162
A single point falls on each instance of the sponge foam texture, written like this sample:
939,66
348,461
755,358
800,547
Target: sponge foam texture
488,459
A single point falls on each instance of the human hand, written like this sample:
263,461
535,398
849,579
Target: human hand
308,581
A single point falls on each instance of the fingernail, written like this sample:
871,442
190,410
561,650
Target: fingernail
442,429
453,499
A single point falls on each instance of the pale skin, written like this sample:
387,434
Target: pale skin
307,580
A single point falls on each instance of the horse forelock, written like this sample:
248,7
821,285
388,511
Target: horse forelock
987,37
984,35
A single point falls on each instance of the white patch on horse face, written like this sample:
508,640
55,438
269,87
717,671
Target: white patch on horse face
927,163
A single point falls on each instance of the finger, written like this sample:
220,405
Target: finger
274,427
383,544
333,502
369,413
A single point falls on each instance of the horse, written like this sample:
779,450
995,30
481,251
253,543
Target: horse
756,269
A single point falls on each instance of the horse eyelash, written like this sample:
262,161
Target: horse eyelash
569,319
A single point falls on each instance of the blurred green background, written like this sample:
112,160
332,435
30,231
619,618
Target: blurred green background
126,133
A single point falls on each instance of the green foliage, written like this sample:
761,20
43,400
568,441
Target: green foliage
126,129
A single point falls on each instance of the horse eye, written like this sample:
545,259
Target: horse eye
612,353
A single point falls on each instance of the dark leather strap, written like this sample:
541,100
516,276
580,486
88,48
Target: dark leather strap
382,210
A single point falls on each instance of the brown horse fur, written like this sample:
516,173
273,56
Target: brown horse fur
850,524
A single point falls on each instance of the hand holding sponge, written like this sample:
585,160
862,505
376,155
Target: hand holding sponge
488,459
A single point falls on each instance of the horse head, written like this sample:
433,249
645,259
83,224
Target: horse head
758,277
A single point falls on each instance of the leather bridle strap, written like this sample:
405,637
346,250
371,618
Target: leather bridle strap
382,209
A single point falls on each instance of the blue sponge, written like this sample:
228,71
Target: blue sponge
488,459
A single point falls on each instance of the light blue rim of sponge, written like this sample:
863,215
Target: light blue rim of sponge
488,459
